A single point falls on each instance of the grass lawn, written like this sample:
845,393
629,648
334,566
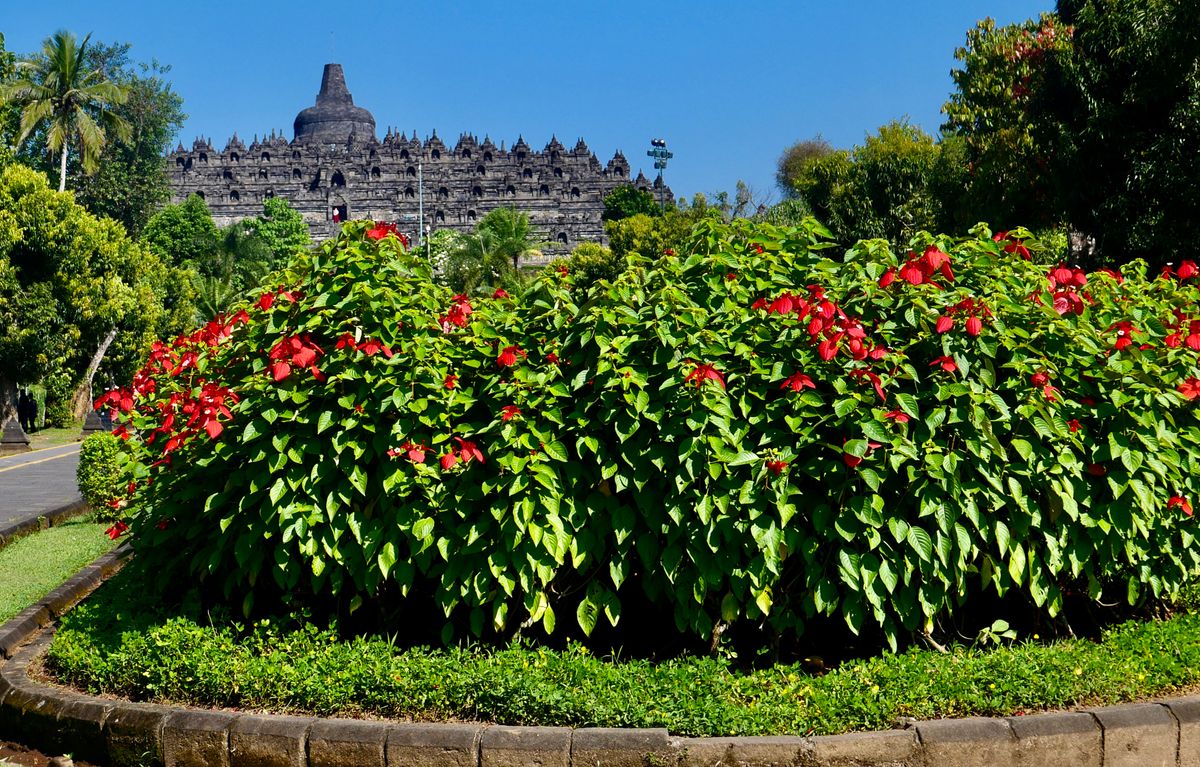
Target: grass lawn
33,566
53,437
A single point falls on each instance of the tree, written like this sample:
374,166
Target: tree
1000,111
73,104
491,255
76,294
795,159
1126,108
184,233
627,200
652,236
10,113
888,187
282,229
132,181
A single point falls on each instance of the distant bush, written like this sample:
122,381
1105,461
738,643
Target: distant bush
591,262
745,432
99,474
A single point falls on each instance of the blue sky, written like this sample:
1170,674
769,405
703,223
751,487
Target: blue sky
728,85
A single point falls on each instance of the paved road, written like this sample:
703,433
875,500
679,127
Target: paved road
34,483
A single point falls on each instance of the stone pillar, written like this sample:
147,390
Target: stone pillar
13,438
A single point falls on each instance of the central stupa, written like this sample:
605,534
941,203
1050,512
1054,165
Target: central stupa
334,118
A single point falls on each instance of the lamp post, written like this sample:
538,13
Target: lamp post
661,155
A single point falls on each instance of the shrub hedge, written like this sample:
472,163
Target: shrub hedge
746,432
99,474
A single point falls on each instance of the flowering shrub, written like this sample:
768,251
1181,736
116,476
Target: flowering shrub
748,431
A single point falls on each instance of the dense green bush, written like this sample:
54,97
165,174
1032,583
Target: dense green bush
99,474
591,262
745,432
122,643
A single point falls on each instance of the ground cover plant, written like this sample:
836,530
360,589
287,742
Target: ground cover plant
33,566
749,434
123,642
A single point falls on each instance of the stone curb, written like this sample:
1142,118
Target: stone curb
119,733
10,533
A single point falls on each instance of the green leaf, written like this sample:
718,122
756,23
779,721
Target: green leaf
586,615
921,543
327,419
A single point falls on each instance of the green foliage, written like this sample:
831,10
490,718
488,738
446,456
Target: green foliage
183,234
887,188
999,110
746,432
66,279
591,262
121,643
99,475
649,236
627,200
1126,107
72,103
131,181
794,161
489,257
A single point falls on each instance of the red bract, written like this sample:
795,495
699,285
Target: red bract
864,374
1074,425
1097,470
1190,388
121,398
451,381
776,467
346,341
974,326
552,358
411,450
1013,245
373,346
944,324
508,357
759,304
1116,275
509,412
888,278
117,530
383,229
1125,331
1187,270
468,451
449,459
500,293
797,381
947,364
899,416
457,314
1181,503
702,373
294,350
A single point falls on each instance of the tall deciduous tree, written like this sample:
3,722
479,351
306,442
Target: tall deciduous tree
795,159
75,105
627,200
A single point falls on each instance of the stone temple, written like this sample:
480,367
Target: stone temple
335,168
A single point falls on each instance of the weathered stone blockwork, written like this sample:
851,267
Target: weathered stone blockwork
335,164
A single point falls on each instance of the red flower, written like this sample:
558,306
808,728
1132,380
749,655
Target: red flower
346,340
782,305
1074,425
776,467
372,346
451,381
500,293
509,412
382,230
668,252
449,459
508,357
117,530
974,326
912,273
759,304
552,358
731,277
888,278
1116,275
1125,331
851,460
1187,270
1041,378
457,314
899,416
266,301
758,249
1179,501
797,381
294,350
944,324
412,451
702,373
947,364
1190,388
469,451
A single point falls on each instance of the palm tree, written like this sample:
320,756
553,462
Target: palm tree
511,233
491,255
72,103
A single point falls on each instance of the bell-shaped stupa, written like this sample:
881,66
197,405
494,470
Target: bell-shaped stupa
334,118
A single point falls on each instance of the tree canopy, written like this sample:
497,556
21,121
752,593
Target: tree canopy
627,200
73,104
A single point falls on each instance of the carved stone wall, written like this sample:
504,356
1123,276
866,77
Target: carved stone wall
336,169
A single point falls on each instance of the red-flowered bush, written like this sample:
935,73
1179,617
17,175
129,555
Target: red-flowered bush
746,432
